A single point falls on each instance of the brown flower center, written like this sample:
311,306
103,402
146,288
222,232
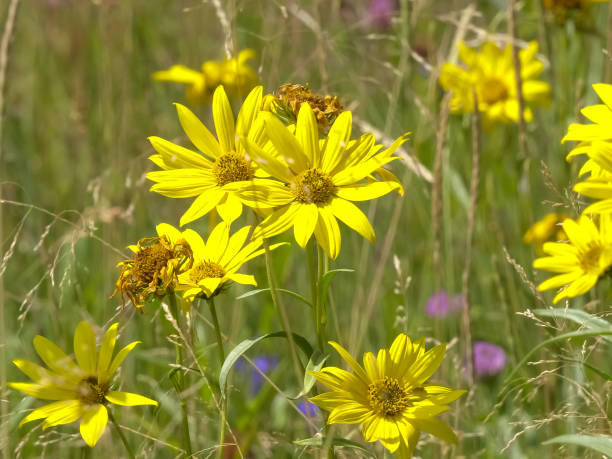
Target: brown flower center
493,90
387,397
206,270
149,261
313,186
589,259
232,167
92,392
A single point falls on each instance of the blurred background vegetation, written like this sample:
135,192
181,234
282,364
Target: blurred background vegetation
79,104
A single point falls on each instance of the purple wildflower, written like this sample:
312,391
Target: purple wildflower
265,364
440,304
489,359
309,409
380,12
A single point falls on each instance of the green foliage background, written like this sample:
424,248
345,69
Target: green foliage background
79,105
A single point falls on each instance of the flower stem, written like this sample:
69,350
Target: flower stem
179,379
120,432
222,421
282,314
320,305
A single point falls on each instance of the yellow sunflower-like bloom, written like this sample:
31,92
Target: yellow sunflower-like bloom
595,140
490,73
544,230
389,395
82,390
156,264
235,74
581,262
216,262
187,174
317,180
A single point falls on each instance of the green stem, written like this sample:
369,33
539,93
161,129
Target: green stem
320,306
120,432
297,363
223,420
179,378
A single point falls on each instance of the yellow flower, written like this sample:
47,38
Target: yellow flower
216,262
389,395
186,174
581,262
156,264
237,76
82,390
490,73
317,180
595,140
545,229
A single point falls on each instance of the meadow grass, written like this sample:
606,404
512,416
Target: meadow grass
79,104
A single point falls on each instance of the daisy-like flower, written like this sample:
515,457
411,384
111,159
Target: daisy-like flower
156,264
389,395
82,389
216,262
595,140
580,263
317,180
490,73
235,74
187,174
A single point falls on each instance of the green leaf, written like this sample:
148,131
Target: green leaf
574,334
247,344
336,441
327,278
315,363
600,443
580,317
282,290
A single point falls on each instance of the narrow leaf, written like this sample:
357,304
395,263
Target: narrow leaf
316,362
282,290
336,441
600,443
578,316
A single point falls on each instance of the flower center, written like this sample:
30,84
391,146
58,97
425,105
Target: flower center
493,90
589,259
313,186
149,261
206,270
387,397
92,392
232,167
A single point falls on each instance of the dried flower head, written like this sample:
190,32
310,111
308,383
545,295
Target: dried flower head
290,98
155,267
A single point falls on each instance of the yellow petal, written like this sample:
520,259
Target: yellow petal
278,222
235,244
224,120
249,111
34,371
217,241
119,358
202,205
106,350
560,281
178,74
338,138
175,156
287,147
128,399
359,371
85,347
69,412
93,424
438,428
54,357
199,135
51,409
327,232
307,134
229,208
349,413
426,365
44,392
305,221
604,91
244,279
353,217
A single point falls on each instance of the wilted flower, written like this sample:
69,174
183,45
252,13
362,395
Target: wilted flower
155,267
291,97
440,304
489,359
83,389
561,8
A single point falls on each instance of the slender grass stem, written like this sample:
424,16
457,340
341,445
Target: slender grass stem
320,305
179,379
120,432
223,420
282,314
